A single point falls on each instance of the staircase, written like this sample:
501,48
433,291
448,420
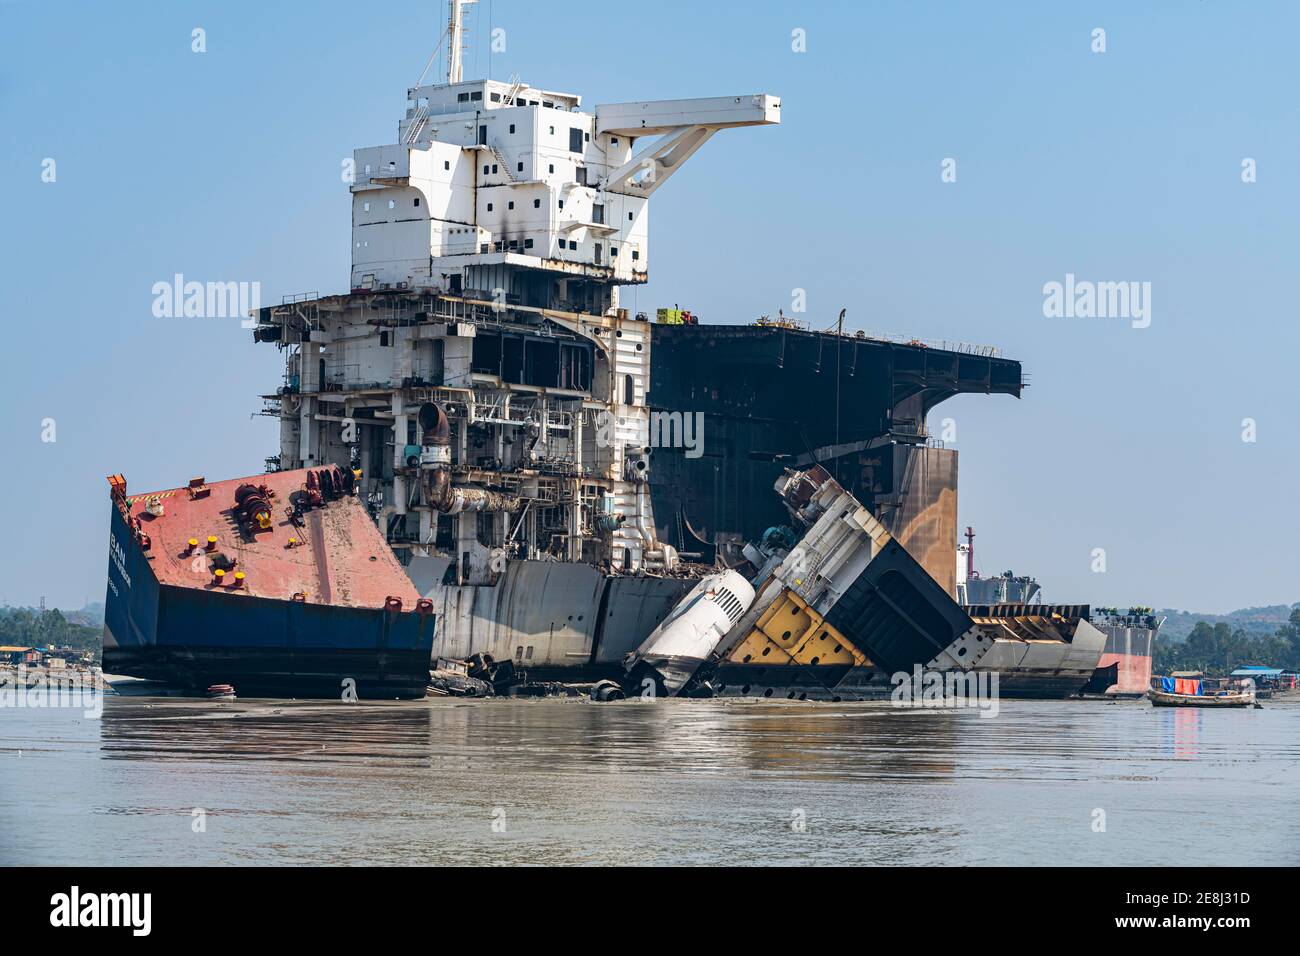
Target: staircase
503,165
418,122
515,86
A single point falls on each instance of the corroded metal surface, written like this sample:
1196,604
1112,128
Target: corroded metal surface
337,555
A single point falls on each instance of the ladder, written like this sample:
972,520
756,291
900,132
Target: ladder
416,126
515,86
502,164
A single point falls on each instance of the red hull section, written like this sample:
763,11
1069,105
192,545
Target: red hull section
317,540
280,585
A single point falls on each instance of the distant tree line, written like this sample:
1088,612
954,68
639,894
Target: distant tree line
26,627
1219,649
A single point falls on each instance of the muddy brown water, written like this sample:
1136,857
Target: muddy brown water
572,782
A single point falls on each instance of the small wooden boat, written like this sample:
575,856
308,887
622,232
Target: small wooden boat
1204,693
1227,699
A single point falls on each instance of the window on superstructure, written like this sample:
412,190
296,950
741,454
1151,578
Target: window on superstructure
512,127
510,205
392,204
551,167
494,169
629,390
528,243
537,204
446,164
485,170
598,213
476,95
496,97
575,141
636,253
521,167
462,97
489,207
417,200
365,206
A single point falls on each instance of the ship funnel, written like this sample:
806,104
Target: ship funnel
433,421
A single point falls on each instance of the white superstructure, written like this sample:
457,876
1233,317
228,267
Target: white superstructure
517,194
488,245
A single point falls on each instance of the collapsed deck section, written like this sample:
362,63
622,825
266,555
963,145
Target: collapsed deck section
280,585
846,611
1041,646
847,596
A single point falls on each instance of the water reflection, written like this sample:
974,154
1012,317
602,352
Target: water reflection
569,781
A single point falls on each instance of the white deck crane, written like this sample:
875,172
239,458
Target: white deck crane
683,127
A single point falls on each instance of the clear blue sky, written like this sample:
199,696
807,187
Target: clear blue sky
1117,166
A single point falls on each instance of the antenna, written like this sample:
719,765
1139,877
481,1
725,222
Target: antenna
456,35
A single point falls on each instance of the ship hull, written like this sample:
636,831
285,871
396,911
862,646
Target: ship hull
556,620
268,648
1128,652
187,638
572,622
836,683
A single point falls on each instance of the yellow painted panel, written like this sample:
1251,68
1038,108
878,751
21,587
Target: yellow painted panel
790,632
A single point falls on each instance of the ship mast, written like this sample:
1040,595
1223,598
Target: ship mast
456,40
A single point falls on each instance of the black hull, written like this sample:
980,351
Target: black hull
279,671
